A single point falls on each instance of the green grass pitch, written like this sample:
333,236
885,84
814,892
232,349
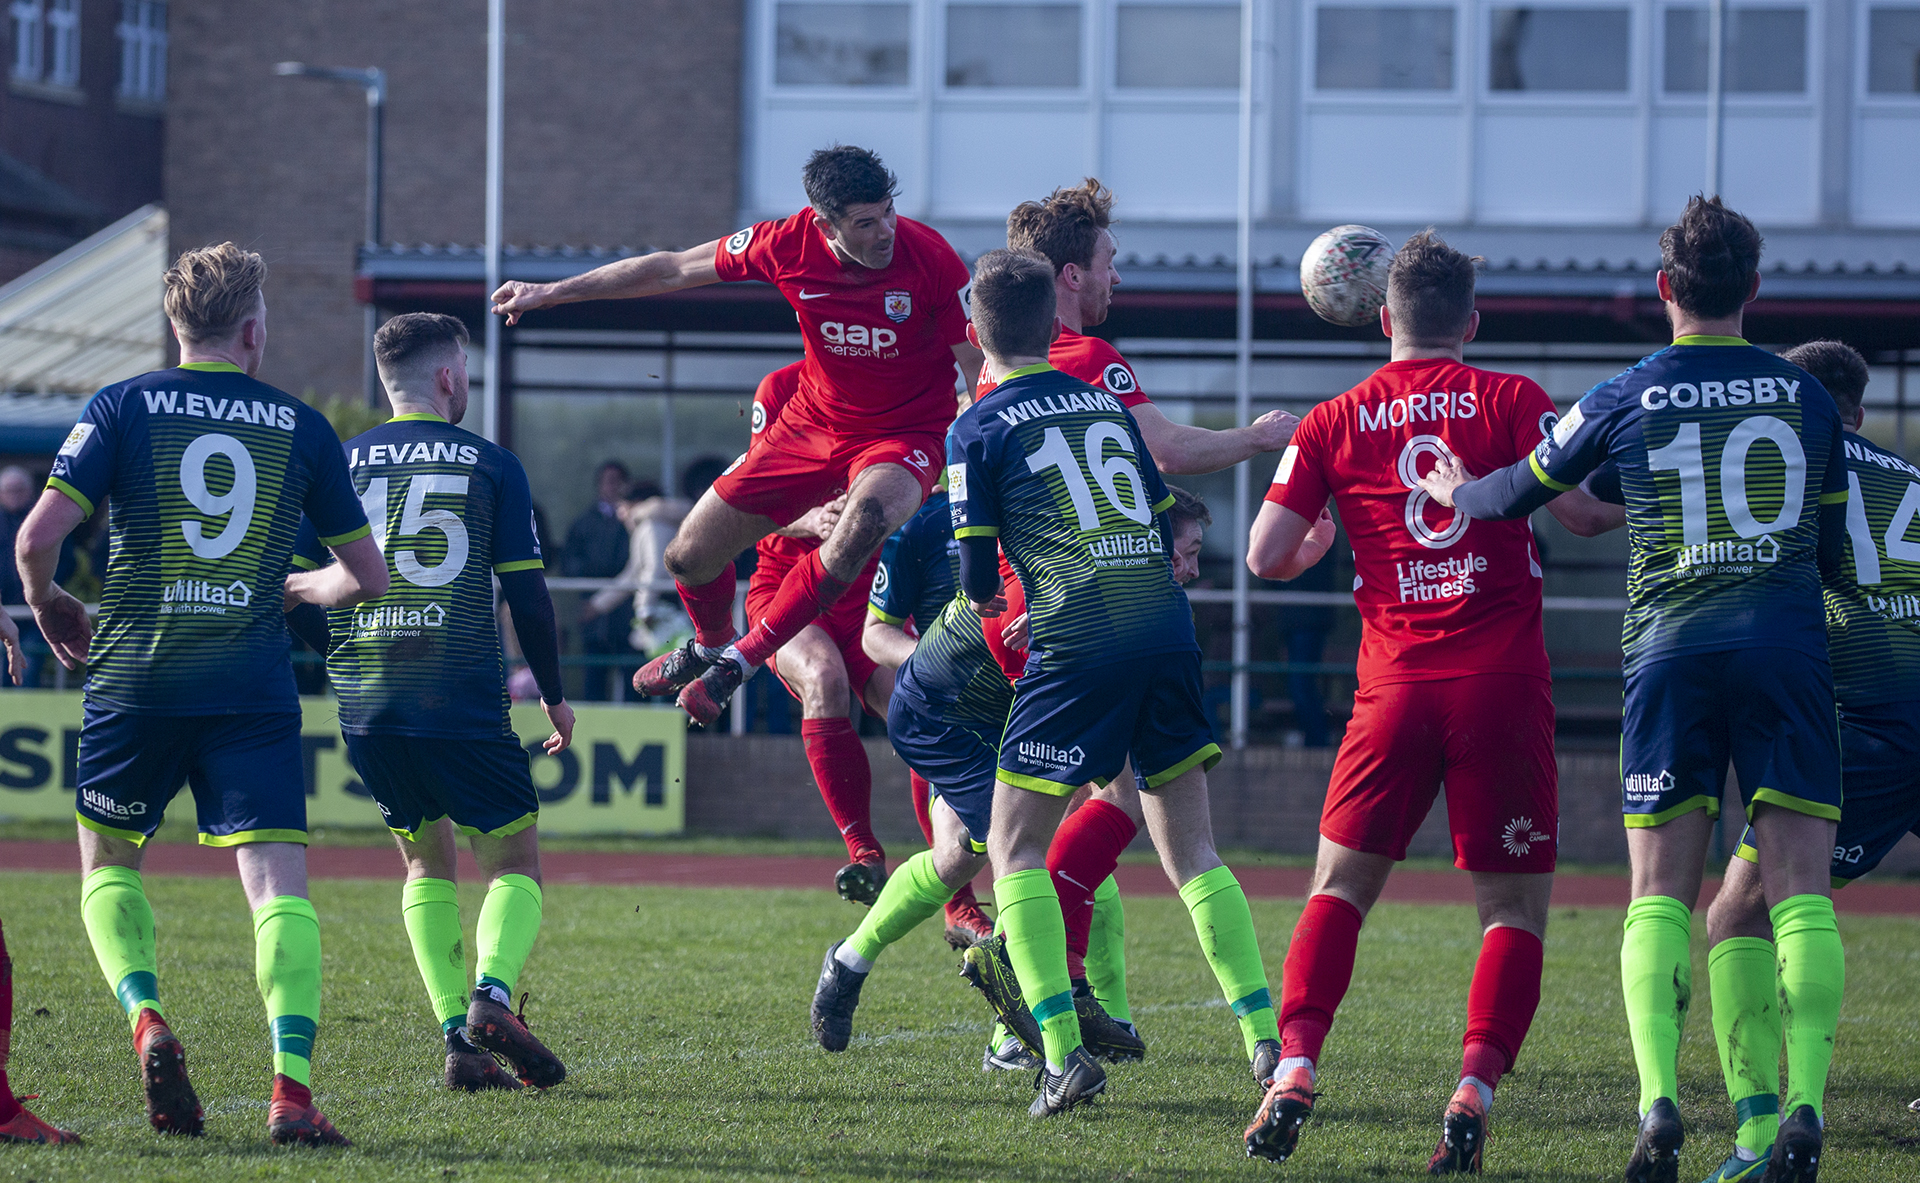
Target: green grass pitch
682,1015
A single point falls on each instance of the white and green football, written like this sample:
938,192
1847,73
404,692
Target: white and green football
1344,275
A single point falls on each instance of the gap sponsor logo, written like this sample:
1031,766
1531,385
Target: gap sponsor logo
1424,408
1422,582
1643,788
388,617
421,453
853,340
184,596
99,802
1047,756
225,410
1059,404
1730,556
1125,550
1739,392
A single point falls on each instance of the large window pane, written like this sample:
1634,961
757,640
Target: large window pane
840,44
1383,49
1191,46
1766,51
1893,51
1035,45
1558,49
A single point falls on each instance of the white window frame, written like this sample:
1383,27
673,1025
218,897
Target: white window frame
769,68
1743,100
1465,58
1046,97
1863,38
143,51
1638,71
27,21
63,37
1185,96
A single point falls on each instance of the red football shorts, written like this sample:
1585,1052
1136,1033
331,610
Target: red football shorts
800,464
844,622
1489,737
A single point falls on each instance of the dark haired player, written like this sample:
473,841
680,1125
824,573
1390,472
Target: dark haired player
918,574
824,663
1731,466
188,683
1056,472
1071,228
1873,635
1454,683
423,696
882,305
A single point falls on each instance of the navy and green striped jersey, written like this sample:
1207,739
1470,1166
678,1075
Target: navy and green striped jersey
1725,454
1873,605
206,472
919,568
1057,471
449,509
953,675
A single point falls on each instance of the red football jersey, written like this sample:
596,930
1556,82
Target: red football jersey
879,343
1440,595
1091,360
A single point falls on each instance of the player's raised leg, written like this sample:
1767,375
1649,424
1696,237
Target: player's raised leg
700,558
16,1124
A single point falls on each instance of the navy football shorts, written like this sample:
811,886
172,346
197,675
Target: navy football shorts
1769,711
1880,765
244,770
957,761
1069,727
484,783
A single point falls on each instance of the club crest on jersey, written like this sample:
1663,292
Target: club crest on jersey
739,241
899,306
1118,378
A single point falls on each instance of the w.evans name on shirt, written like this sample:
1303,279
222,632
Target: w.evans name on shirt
205,406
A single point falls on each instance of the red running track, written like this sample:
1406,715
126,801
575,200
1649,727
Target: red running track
1892,898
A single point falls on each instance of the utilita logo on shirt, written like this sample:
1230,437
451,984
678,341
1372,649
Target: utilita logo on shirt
185,596
859,340
1424,582
393,620
1642,787
1125,550
1707,558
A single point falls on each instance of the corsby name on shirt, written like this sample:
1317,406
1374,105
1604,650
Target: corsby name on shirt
226,410
1735,393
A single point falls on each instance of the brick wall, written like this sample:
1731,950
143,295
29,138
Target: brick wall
622,127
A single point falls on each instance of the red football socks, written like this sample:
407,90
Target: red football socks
710,606
806,592
922,793
1086,848
1500,1006
839,762
9,1107
1318,970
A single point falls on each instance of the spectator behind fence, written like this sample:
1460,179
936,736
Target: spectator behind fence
643,587
18,489
596,548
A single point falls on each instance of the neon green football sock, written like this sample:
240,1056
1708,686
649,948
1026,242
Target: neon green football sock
119,920
1813,975
912,894
509,923
431,909
1746,1025
286,963
1106,951
1037,947
1656,983
1224,924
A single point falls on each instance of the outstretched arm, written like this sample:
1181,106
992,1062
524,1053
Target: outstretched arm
1586,515
1513,492
623,279
1284,545
1182,450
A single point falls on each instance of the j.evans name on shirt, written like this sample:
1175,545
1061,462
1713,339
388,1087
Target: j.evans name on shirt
1739,392
1422,408
421,452
225,410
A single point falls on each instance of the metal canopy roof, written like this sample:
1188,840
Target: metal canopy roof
89,316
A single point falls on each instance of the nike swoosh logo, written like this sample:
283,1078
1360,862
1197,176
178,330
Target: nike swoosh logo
805,295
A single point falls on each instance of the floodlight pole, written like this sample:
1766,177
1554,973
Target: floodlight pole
496,86
1243,387
1716,91
374,80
